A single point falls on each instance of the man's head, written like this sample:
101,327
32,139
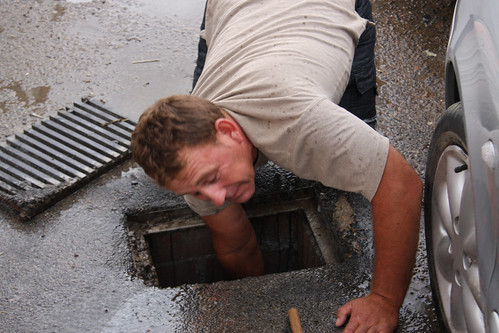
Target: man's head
188,145
166,127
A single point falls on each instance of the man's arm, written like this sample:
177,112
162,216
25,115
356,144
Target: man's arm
235,242
396,210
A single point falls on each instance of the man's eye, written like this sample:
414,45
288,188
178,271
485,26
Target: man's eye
211,180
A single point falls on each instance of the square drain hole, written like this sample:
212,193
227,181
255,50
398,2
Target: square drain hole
175,247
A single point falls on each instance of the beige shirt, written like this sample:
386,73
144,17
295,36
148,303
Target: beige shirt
279,68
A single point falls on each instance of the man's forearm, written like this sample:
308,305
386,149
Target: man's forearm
235,242
244,261
396,216
396,211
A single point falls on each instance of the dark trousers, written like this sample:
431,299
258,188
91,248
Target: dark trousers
360,95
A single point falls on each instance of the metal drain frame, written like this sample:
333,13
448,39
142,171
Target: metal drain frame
160,219
60,155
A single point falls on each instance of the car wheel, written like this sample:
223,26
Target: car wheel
450,227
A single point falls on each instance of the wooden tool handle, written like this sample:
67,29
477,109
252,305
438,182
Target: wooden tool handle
294,320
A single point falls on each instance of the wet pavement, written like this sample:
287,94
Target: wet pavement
68,269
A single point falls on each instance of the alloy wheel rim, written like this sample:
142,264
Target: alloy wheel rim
454,242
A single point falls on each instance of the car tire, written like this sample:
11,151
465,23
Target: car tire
450,227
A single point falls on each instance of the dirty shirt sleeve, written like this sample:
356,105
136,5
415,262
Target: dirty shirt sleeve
202,207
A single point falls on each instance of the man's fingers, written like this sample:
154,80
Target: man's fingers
342,314
371,313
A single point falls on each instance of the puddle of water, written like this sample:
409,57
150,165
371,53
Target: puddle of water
39,94
15,93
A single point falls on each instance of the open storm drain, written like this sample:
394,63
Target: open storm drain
60,155
171,248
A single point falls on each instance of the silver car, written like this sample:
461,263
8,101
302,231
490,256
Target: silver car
462,176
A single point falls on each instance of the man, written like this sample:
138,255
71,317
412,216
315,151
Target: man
274,75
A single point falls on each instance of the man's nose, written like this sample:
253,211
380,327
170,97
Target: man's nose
215,194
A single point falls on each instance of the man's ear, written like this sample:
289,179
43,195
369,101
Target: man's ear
230,128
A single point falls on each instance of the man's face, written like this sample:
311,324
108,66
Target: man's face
217,171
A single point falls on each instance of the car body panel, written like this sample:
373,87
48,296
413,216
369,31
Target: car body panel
472,76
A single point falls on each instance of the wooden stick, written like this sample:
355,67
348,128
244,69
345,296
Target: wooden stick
144,61
294,320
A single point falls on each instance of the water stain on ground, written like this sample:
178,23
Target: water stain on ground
14,92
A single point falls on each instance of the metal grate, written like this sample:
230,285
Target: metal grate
60,155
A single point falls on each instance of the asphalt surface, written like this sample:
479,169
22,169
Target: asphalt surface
68,269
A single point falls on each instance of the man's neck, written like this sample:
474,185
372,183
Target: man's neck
254,150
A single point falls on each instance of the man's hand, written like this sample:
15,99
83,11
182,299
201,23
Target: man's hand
372,313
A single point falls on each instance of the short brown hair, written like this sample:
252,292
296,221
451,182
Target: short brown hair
166,127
